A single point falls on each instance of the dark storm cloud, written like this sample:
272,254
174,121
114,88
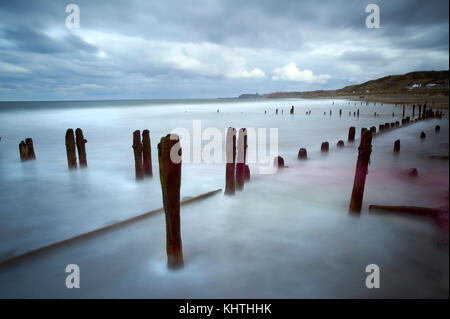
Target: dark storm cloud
141,48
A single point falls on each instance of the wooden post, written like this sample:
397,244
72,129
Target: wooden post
292,110
247,172
403,112
30,149
231,161
357,113
424,111
170,177
81,146
420,110
437,128
373,129
340,143
70,149
241,156
364,151
380,128
422,135
325,147
23,151
340,112
147,153
397,146
302,154
138,162
351,133
414,110
278,162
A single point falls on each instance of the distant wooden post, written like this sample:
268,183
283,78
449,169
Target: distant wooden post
437,128
292,110
364,151
70,149
170,177
325,147
241,156
147,153
357,113
380,128
397,146
340,144
420,110
403,112
30,149
247,172
414,110
302,154
81,146
424,111
422,135
340,112
23,151
351,133
231,161
373,129
137,147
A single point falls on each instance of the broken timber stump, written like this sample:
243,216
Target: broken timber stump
137,147
302,154
70,149
351,133
23,150
81,146
241,156
170,177
231,161
364,151
147,153
397,146
247,172
30,149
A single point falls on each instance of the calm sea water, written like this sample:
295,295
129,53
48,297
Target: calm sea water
286,235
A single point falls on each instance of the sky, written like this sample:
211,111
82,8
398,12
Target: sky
139,49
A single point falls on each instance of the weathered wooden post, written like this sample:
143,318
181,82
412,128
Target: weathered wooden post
403,112
325,147
373,129
397,146
363,129
292,110
380,128
70,149
276,111
81,146
351,133
420,110
241,156
437,128
340,143
357,113
231,161
414,110
340,112
278,162
302,154
364,151
147,153
247,172
170,177
424,111
137,148
23,151
30,149
422,135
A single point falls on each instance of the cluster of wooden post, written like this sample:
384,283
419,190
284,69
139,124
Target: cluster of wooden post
236,171
26,150
75,142
142,154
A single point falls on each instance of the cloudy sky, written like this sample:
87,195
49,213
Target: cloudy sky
211,48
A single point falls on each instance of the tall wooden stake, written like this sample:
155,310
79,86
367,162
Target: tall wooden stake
147,153
231,161
70,149
364,151
170,176
241,156
137,147
81,146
